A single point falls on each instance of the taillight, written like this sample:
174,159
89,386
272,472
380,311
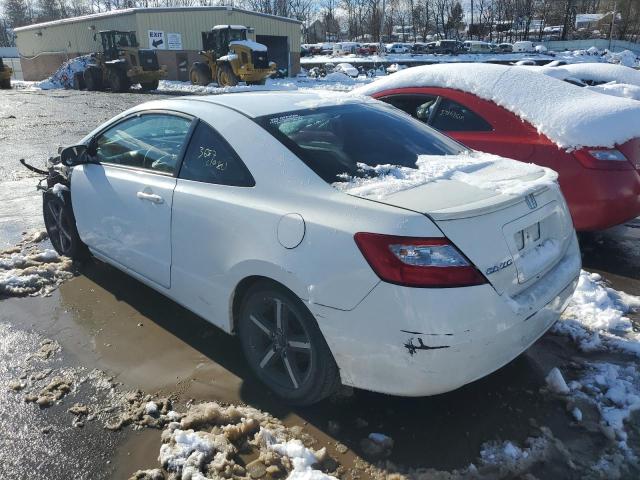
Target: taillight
417,262
603,159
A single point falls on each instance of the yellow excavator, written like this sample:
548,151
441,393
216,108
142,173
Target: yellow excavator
230,58
5,75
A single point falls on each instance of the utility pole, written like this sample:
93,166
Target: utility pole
470,23
381,49
613,22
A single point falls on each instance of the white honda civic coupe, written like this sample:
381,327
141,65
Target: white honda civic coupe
339,238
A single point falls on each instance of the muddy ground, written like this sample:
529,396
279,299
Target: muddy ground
106,320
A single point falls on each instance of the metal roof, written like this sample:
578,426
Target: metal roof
130,11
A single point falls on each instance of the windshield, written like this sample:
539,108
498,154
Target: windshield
236,35
343,140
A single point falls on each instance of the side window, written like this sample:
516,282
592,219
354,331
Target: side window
418,106
151,141
453,117
211,159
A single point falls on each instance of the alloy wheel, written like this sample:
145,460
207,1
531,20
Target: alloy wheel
280,345
59,228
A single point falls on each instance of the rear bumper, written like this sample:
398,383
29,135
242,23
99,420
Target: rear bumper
601,199
415,342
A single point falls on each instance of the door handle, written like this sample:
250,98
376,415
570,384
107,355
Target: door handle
151,197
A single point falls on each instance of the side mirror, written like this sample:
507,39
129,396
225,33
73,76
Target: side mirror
74,155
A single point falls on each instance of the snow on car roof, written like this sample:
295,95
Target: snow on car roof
603,72
570,116
265,102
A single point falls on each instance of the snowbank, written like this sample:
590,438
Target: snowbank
595,319
569,116
481,170
626,58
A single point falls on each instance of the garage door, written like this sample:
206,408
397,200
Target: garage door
278,49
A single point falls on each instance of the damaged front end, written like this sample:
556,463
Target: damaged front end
58,169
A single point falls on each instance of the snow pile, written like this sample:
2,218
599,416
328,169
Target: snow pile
617,90
569,116
302,458
481,170
595,319
28,270
63,77
626,58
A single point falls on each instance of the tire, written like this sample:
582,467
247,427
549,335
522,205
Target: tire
148,86
61,226
118,81
290,355
93,79
78,81
200,74
226,77
5,84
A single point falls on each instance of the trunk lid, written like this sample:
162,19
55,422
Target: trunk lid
508,218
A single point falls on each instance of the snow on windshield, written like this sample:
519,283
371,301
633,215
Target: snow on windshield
482,170
569,116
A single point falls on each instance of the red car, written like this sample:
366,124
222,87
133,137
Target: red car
601,185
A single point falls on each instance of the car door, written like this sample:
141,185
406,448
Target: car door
122,200
211,201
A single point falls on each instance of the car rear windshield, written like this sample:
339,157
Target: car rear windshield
334,140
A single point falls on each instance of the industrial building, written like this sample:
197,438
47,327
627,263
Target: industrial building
176,34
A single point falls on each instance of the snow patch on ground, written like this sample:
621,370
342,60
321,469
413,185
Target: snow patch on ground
481,170
511,457
206,442
614,390
334,82
596,317
27,269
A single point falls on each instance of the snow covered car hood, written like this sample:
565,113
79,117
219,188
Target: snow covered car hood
570,116
450,186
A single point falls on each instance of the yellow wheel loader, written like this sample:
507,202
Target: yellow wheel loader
5,75
230,58
122,63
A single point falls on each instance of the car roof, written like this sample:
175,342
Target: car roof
265,102
570,116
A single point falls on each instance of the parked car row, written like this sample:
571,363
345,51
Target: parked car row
333,266
445,47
